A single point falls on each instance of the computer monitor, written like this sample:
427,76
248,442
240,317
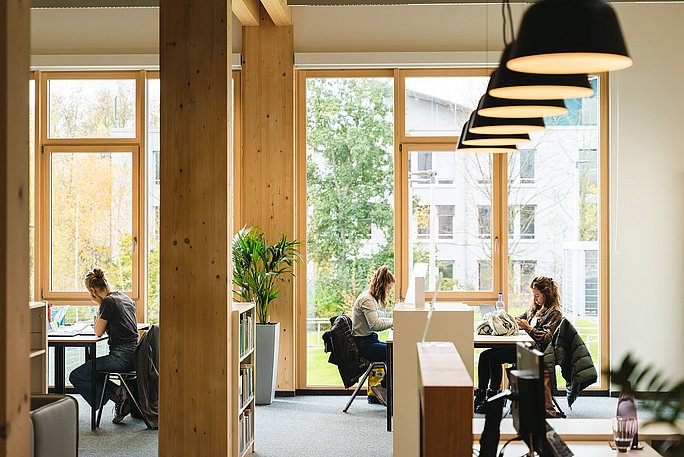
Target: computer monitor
527,409
527,389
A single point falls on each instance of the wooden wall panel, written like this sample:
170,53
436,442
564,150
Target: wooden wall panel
196,277
268,159
14,220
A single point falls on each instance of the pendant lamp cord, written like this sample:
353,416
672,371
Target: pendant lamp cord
507,16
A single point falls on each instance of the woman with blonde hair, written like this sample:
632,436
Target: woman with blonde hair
540,321
366,321
116,316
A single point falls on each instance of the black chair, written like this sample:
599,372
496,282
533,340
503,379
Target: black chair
372,366
124,378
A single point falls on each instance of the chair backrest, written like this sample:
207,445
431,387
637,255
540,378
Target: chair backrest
54,425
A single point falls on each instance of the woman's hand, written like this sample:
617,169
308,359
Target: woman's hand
523,324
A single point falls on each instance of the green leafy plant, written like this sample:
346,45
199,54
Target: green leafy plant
663,398
257,266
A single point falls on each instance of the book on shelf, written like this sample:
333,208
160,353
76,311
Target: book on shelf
246,333
246,386
245,430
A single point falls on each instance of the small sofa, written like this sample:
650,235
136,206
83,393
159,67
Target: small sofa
54,426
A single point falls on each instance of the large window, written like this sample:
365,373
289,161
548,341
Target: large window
487,223
349,200
91,218
554,222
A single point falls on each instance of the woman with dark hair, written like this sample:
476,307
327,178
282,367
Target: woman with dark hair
539,321
116,316
366,321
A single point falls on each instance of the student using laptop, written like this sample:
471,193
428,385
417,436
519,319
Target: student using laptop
366,321
116,316
539,321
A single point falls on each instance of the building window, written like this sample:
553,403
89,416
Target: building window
484,221
527,214
591,292
424,161
527,166
445,219
422,218
528,270
484,274
157,171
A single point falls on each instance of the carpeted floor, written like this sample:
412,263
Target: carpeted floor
303,426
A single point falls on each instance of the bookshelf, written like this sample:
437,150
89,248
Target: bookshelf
38,353
243,386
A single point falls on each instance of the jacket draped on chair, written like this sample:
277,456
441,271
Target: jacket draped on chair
339,342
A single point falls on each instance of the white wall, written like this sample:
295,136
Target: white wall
647,222
101,31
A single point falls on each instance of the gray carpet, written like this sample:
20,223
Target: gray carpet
301,426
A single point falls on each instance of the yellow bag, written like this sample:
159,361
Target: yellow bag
375,378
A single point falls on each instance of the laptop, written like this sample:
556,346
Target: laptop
68,330
486,308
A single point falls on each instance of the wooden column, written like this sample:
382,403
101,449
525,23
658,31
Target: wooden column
196,191
14,221
268,159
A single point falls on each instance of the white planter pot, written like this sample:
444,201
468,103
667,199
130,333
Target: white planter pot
267,344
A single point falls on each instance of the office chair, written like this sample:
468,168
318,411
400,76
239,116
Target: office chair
123,378
371,367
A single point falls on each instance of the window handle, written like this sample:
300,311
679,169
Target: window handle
496,244
134,244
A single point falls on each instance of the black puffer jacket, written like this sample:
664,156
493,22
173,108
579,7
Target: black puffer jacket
344,353
567,349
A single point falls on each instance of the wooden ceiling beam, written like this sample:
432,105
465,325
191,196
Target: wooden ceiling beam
247,12
280,12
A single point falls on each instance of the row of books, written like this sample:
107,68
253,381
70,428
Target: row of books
245,384
245,430
246,333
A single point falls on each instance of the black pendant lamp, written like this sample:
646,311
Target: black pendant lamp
478,139
511,108
507,83
487,149
569,37
503,126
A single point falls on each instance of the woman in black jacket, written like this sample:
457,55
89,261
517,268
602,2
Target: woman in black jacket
539,321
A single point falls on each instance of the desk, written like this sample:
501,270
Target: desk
585,449
89,342
586,429
492,341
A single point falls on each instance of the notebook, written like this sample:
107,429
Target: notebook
68,330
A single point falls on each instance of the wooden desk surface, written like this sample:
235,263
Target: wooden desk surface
585,449
492,340
585,429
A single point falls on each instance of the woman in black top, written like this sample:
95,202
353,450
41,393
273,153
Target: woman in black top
116,316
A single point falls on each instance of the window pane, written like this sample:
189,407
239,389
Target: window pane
91,108
32,185
153,196
526,166
91,209
446,222
439,106
350,197
556,229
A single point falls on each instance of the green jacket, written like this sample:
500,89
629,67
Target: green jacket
567,349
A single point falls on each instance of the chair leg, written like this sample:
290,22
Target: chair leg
147,422
356,391
101,405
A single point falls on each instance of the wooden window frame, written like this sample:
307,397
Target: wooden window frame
76,297
402,143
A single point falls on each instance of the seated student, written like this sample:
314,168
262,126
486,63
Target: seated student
366,322
116,316
539,321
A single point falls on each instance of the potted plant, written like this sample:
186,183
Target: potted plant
257,268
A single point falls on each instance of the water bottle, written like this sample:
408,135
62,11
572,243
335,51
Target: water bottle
626,407
499,302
